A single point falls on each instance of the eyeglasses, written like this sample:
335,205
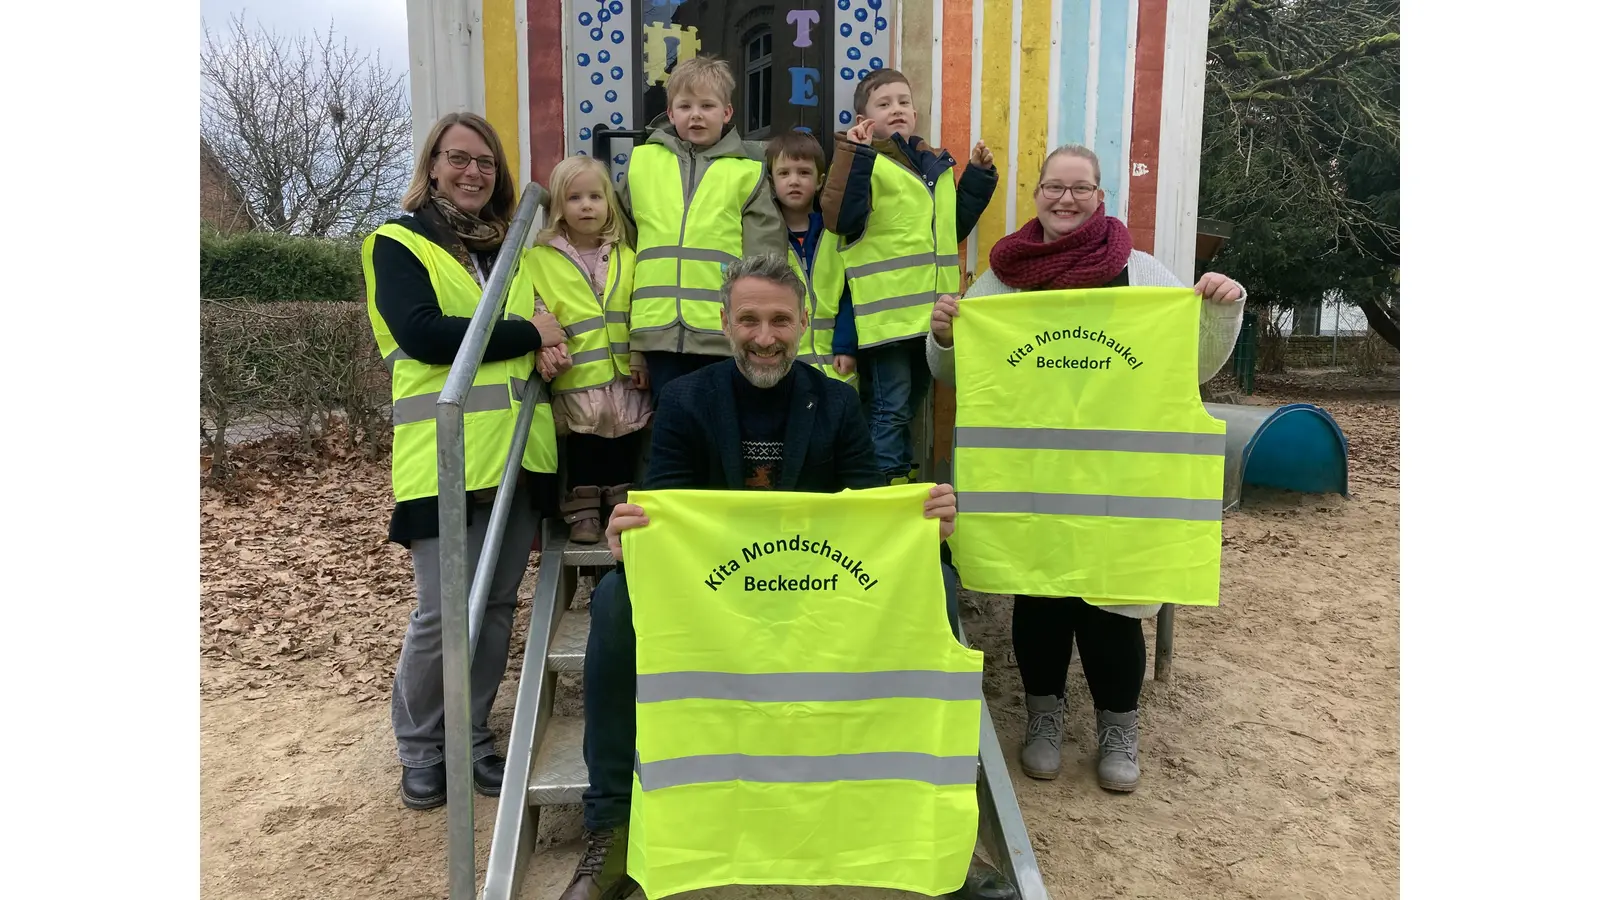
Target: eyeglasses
1053,190
458,159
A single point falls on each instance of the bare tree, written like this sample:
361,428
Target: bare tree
1303,134
316,133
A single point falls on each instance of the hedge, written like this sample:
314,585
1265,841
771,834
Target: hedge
269,266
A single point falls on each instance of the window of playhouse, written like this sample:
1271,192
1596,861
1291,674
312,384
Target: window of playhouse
781,57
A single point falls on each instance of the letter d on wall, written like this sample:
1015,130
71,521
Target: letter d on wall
803,85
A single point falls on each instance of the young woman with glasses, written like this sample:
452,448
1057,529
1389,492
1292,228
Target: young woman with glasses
1072,243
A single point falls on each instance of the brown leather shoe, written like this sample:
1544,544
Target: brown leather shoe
581,510
603,870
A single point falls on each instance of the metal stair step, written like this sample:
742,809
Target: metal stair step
594,555
570,643
559,774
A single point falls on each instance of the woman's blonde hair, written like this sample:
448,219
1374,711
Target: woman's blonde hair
1077,150
504,196
561,178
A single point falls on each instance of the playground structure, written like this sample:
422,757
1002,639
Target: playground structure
1122,76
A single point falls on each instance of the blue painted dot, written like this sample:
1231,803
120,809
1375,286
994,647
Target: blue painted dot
611,96
862,73
853,53
844,117
605,56
876,62
585,19
605,15
597,78
583,135
847,74
616,37
866,39
586,106
616,7
875,4
844,5
844,29
616,118
583,59
616,73
619,159
861,15
596,33
881,24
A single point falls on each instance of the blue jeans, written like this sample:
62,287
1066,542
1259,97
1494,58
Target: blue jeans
665,367
609,667
896,383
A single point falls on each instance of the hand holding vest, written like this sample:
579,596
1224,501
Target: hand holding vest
804,714
1085,463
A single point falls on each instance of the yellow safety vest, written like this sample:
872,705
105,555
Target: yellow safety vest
685,241
597,329
824,287
906,257
1085,463
804,714
492,404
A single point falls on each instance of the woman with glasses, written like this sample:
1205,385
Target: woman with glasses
1072,243
425,275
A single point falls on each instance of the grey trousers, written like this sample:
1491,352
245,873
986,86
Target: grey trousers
417,701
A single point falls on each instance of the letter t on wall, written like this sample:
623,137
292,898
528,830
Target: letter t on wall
802,20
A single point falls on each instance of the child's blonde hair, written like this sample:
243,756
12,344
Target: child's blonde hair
702,73
561,178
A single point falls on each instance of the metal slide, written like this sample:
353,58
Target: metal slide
544,757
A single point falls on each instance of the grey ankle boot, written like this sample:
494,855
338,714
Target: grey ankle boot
1041,749
1118,737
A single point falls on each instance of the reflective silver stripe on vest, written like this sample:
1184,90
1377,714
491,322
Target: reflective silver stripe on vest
887,303
804,687
892,264
887,766
1025,502
422,408
515,318
585,326
598,354
1004,438
949,259
698,254
519,388
617,315
821,324
395,357
619,349
673,292
813,359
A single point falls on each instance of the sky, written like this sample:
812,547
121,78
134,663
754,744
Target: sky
369,25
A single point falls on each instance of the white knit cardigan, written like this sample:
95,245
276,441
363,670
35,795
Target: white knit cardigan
1219,329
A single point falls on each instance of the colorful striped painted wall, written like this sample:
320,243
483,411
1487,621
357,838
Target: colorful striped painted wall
1124,77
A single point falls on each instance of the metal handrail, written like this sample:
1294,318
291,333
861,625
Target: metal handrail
460,618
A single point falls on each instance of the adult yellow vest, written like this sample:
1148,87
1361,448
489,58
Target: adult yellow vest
906,257
1085,463
596,327
824,287
804,714
491,405
685,241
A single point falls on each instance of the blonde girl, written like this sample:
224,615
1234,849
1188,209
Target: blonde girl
582,271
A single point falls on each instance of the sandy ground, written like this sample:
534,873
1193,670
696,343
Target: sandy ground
1270,764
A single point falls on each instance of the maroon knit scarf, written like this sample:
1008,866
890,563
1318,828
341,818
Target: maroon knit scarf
1090,256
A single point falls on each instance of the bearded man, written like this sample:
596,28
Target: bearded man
756,421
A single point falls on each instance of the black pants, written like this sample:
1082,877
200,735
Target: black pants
664,367
609,728
602,462
1112,648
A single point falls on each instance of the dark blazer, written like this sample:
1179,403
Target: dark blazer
826,447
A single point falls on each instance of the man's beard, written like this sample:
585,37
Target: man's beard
765,376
